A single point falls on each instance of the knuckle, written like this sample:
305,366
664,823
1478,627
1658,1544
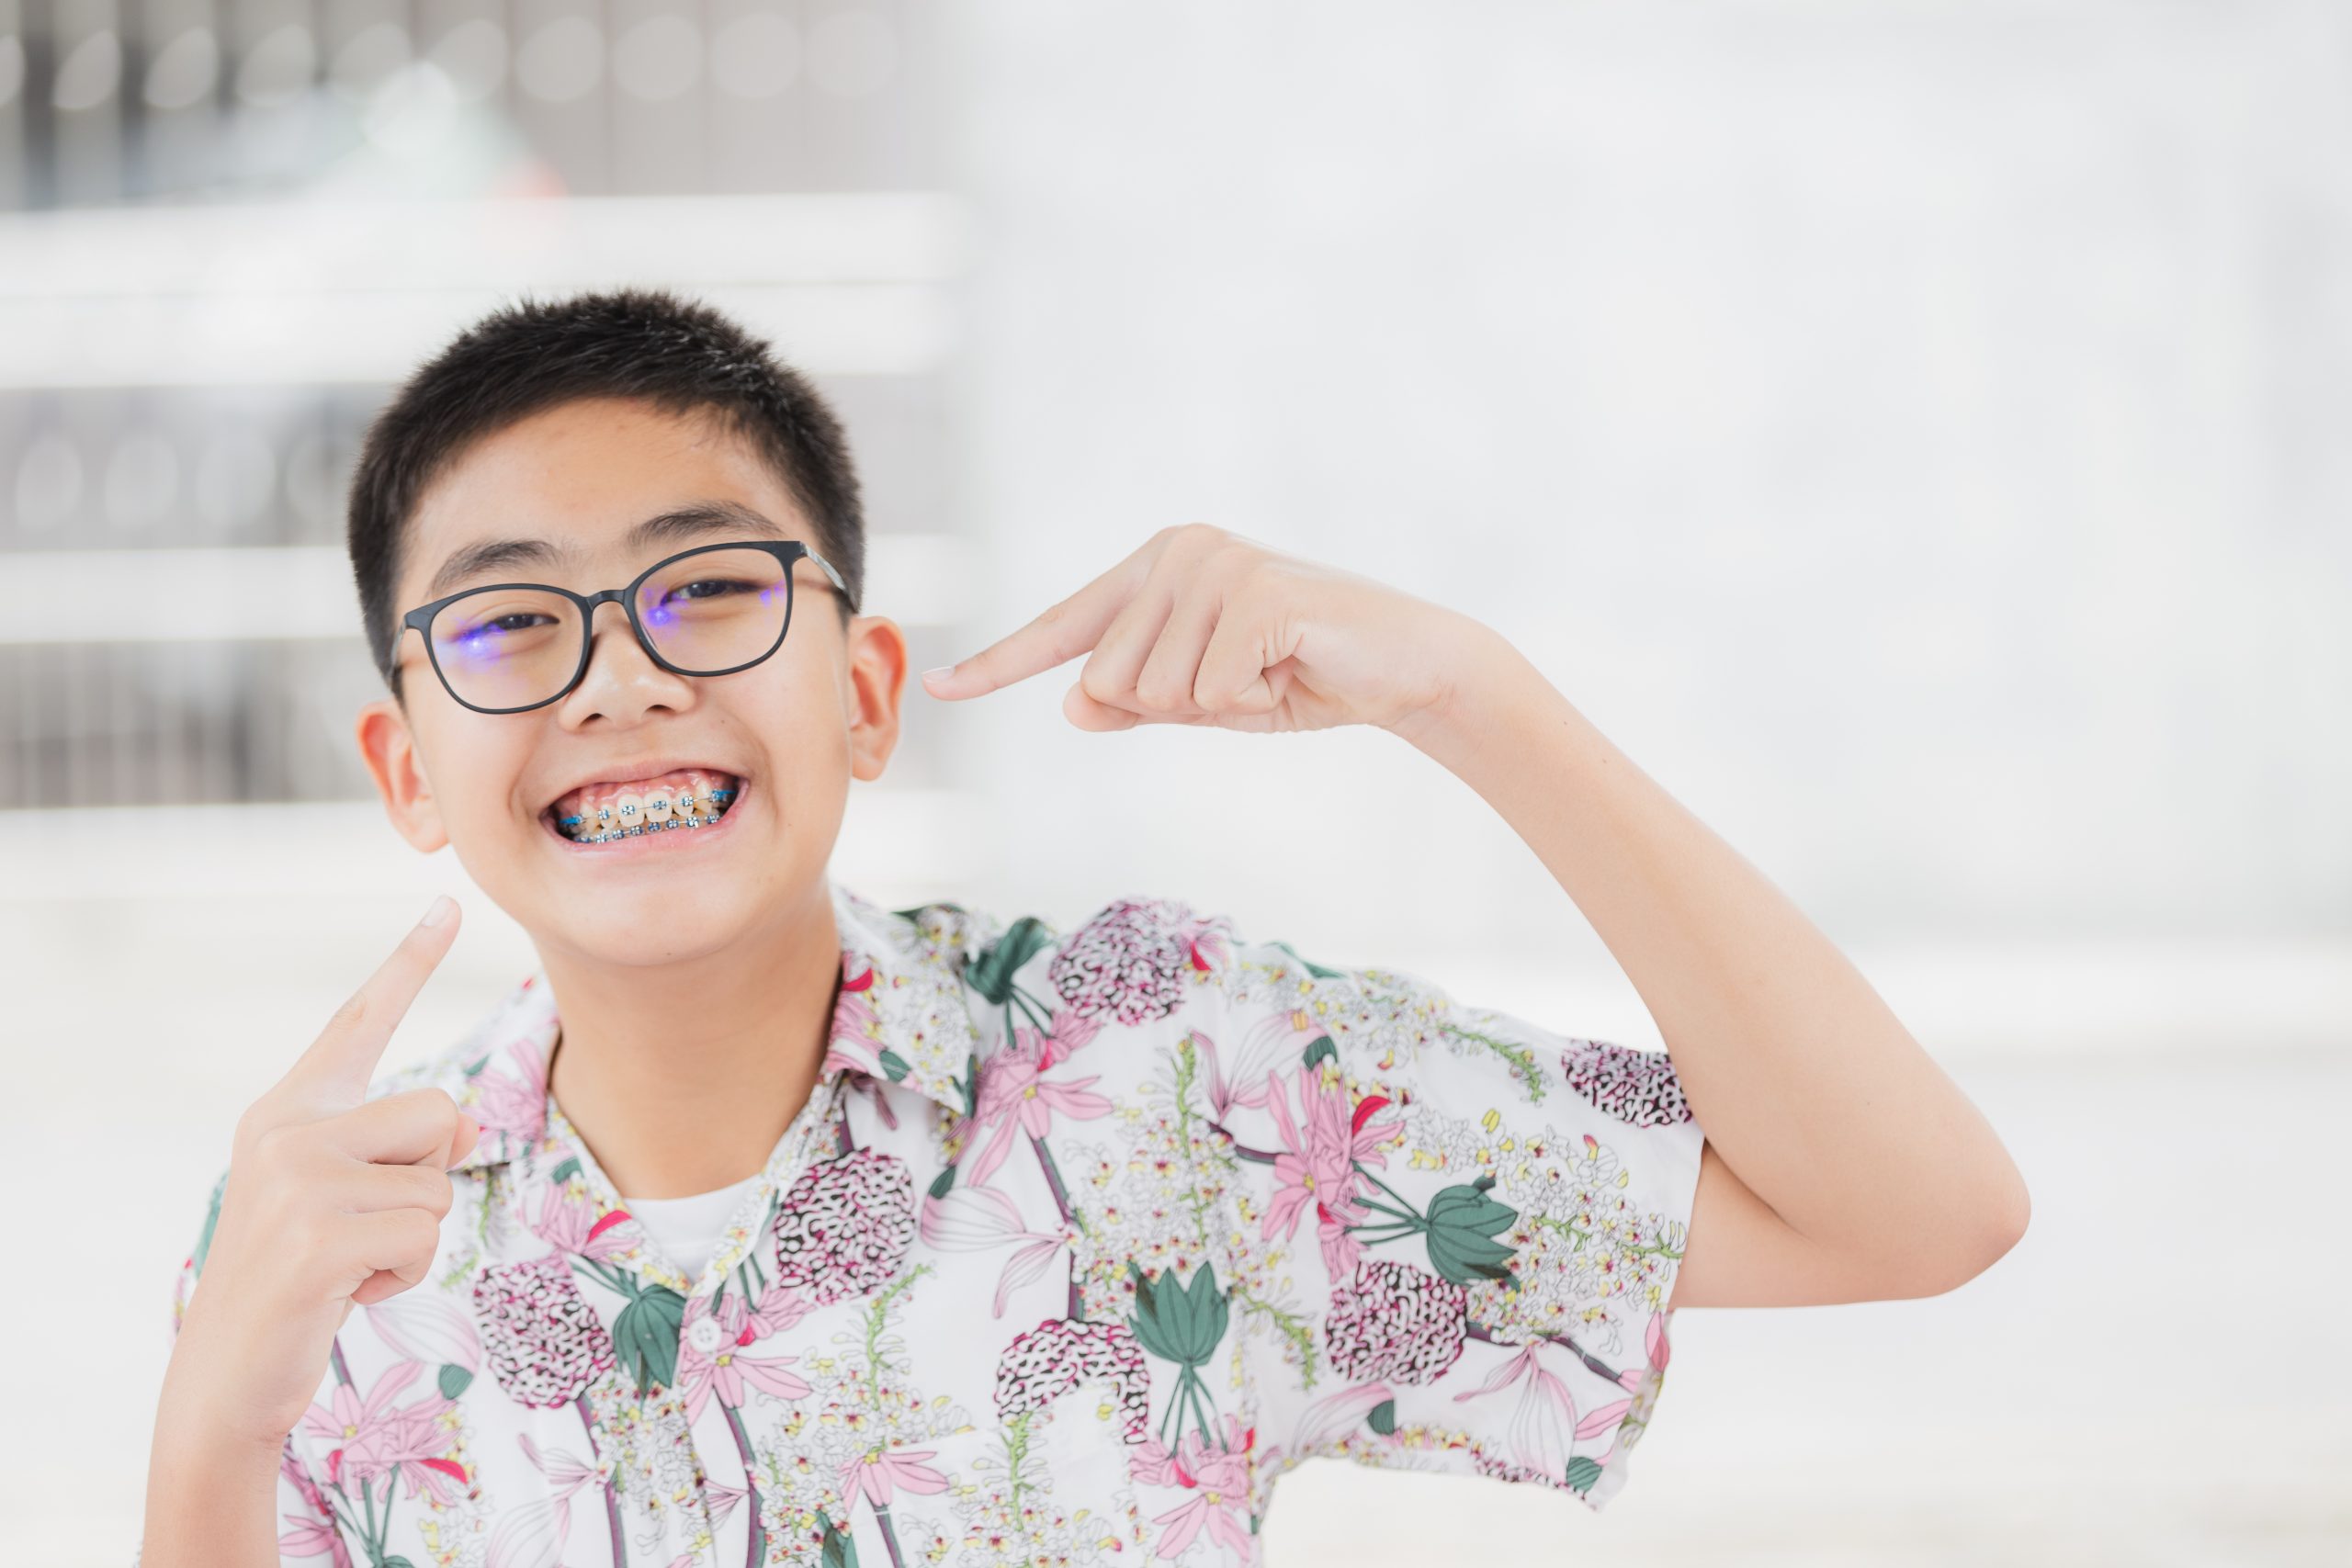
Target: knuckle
270,1144
351,1014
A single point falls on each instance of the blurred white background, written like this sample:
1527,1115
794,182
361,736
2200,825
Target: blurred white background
1912,432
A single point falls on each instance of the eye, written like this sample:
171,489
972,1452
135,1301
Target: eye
709,588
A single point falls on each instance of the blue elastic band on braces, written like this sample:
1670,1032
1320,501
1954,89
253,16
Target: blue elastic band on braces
716,795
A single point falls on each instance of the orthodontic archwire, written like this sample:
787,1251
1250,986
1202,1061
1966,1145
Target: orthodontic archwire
714,797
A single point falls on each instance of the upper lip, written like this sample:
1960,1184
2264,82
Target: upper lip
649,768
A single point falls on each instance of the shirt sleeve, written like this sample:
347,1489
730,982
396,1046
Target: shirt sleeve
307,1533
1457,1230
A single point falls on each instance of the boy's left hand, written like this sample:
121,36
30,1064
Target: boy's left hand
1200,626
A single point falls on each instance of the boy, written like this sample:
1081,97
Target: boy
764,1224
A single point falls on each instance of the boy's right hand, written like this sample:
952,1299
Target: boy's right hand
333,1200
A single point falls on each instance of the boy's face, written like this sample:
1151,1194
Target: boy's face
792,731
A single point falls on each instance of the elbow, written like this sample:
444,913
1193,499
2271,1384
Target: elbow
1997,1220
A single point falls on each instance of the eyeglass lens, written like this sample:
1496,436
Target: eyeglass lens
509,648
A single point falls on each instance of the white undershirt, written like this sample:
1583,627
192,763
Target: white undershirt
686,1230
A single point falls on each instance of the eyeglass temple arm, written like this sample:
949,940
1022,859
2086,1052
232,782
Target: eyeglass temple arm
828,569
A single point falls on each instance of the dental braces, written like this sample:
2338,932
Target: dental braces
712,801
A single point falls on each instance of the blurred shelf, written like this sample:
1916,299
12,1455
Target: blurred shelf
299,592
343,291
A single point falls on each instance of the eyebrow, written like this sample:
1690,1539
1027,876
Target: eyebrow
695,520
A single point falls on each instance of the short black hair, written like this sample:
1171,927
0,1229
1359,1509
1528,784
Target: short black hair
525,357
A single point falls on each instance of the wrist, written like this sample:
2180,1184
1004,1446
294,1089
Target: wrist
1486,683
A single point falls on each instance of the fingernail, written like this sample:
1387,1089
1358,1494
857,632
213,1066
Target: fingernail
943,670
439,913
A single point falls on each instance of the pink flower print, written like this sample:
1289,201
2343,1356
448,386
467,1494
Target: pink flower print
1639,1087
720,1499
713,1356
360,1429
533,1535
426,1325
853,1041
1132,961
545,1343
1333,1420
1318,1165
1218,1478
1065,1033
517,1105
1054,1358
845,1226
879,1474
978,1219
1544,1427
570,1222
1274,1039
314,1534
1396,1322
1655,1342
1015,1093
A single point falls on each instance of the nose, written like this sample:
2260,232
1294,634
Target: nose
621,684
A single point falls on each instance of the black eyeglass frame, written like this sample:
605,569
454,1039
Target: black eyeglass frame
786,552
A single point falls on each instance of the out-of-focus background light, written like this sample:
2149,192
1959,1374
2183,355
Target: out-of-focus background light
1917,434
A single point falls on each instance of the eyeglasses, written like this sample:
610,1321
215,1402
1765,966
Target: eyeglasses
712,610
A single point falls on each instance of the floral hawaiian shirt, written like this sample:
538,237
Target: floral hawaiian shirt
1083,1240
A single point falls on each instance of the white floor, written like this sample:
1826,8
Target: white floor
2159,1374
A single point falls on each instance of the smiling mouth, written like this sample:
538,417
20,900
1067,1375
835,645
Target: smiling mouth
691,800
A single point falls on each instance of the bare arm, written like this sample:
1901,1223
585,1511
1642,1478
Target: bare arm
1841,1163
211,1497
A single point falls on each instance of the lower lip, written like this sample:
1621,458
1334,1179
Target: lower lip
668,841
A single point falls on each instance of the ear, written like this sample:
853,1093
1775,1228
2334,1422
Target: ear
878,678
388,747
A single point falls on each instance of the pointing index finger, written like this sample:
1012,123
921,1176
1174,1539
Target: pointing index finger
338,1064
1059,633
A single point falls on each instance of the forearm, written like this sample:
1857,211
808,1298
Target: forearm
1809,1087
211,1500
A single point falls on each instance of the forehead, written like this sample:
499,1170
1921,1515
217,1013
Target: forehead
579,477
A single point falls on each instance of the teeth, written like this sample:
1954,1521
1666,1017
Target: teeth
631,817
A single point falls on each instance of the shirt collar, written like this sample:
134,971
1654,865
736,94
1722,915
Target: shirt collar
900,1016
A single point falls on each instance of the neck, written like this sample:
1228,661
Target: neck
682,1078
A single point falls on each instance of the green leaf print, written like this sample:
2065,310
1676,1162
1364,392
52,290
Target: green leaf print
646,1335
1180,1322
894,1067
1583,1472
211,1220
991,973
565,1172
1318,970
838,1550
454,1379
1462,1225
1321,1051
1383,1418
